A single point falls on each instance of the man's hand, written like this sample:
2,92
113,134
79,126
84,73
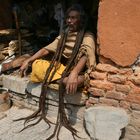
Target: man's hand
24,68
74,79
72,83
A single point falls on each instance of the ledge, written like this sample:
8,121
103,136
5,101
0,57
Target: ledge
23,86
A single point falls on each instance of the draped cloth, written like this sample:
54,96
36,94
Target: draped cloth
39,68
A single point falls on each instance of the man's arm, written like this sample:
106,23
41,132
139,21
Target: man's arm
74,79
39,54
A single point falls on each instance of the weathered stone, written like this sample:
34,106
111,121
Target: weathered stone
109,102
93,100
125,105
78,98
5,102
133,98
98,75
117,78
2,115
136,70
135,79
115,95
104,123
136,115
135,106
134,88
23,86
102,84
15,83
119,43
123,88
96,92
9,129
107,68
131,137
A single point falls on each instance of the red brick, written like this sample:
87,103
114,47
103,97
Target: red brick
98,75
102,84
91,101
133,98
107,68
109,102
126,71
117,78
135,79
135,90
135,107
125,105
123,88
96,92
115,95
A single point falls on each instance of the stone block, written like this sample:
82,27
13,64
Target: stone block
96,92
117,78
110,102
23,86
119,30
78,98
107,68
105,85
125,105
98,75
15,83
123,88
133,98
105,123
115,95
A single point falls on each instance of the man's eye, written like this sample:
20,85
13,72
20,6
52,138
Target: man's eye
72,18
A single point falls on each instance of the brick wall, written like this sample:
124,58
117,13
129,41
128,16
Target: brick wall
111,84
119,87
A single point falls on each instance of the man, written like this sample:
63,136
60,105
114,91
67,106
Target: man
84,55
73,59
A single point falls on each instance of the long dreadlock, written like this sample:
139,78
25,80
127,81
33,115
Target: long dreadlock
41,113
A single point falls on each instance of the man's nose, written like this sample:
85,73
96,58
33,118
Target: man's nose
69,20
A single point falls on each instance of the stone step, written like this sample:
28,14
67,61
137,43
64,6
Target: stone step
27,94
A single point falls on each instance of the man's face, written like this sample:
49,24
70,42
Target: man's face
73,20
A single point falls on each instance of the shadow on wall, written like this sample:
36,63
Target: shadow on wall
5,14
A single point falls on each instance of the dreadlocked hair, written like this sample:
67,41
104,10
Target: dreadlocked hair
62,118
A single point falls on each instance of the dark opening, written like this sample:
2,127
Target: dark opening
37,16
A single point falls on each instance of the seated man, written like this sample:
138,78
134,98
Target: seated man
73,59
74,54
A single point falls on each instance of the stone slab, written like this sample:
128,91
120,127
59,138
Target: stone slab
105,123
15,83
20,85
119,30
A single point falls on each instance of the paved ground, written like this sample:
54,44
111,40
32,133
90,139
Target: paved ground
9,129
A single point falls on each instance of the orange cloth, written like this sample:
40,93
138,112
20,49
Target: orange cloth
39,68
